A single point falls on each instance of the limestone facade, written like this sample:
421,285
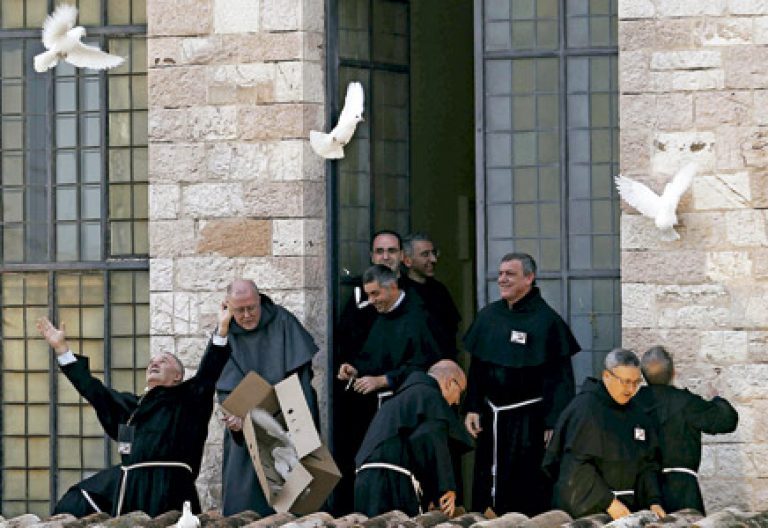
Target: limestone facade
692,81
234,88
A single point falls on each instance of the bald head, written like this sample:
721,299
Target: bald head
451,379
242,288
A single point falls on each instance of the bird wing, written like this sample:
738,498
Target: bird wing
675,189
58,23
84,56
638,196
353,102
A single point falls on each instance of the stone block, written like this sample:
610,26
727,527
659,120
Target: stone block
278,121
161,314
634,71
685,60
748,7
201,50
161,274
176,87
240,161
722,191
284,199
730,145
212,200
744,383
164,51
262,47
636,9
636,34
171,238
698,80
754,148
701,294
185,313
190,350
758,184
637,111
747,228
236,237
295,160
162,344
674,33
758,348
235,16
635,148
313,45
710,32
695,316
674,111
276,273
212,123
298,237
726,266
669,267
759,30
171,163
672,150
281,15
299,82
204,274
637,233
689,8
723,108
179,17
638,305
720,493
163,202
743,66
724,347
167,125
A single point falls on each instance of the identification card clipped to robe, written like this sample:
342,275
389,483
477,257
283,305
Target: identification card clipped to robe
125,438
518,337
639,434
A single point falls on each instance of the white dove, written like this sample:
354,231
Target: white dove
661,208
331,145
187,519
62,40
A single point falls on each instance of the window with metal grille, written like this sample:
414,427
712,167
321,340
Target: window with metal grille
73,242
547,150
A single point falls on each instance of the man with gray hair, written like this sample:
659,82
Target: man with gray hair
604,454
681,417
420,259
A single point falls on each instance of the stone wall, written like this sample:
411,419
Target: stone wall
234,88
693,78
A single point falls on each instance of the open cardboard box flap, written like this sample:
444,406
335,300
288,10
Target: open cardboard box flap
311,481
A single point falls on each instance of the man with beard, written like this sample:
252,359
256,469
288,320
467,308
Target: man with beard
266,339
520,378
420,259
680,418
160,434
604,455
405,462
399,342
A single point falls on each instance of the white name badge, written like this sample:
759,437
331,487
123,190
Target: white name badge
518,337
640,434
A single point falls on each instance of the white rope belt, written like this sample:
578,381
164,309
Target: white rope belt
90,500
496,410
382,396
623,492
139,465
383,465
680,470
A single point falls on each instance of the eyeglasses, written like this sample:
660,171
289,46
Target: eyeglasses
626,383
382,251
253,309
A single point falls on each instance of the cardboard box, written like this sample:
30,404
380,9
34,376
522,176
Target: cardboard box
310,482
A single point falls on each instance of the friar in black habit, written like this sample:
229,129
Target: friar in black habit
405,461
160,434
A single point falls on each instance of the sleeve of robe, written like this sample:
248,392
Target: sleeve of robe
211,365
432,456
712,417
112,407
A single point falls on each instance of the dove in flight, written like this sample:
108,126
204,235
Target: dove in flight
187,519
62,40
662,209
331,145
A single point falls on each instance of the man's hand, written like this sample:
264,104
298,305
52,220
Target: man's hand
448,503
369,384
617,510
233,423
56,338
658,510
346,372
472,423
548,436
225,317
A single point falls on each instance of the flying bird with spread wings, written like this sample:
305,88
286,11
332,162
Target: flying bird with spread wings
62,40
331,145
662,209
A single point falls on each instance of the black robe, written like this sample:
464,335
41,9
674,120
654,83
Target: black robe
415,430
440,306
277,348
505,372
681,417
600,447
399,342
171,425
